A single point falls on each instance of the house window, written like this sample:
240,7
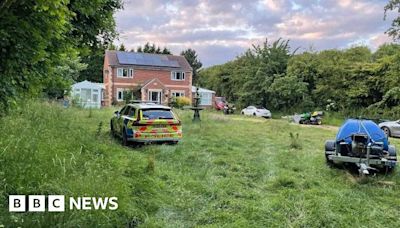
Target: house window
124,93
178,94
125,72
120,94
155,96
177,75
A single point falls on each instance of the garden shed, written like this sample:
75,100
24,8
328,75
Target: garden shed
88,94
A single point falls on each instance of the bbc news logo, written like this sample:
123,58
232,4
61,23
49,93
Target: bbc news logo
56,203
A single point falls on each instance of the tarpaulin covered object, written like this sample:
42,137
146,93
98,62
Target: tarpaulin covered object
358,126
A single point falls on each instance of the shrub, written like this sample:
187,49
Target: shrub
129,95
182,101
294,141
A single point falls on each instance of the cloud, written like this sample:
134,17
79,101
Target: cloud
220,30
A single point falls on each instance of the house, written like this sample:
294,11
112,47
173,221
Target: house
88,94
207,97
144,76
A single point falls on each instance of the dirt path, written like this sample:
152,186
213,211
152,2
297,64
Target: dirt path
327,127
260,120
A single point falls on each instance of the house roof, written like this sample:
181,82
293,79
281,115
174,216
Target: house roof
116,58
202,90
88,85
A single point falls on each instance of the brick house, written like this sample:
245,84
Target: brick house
150,77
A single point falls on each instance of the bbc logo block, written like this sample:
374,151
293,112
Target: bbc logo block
36,203
16,203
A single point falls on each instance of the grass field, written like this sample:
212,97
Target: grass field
229,171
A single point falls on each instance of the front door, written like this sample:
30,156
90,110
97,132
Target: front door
155,96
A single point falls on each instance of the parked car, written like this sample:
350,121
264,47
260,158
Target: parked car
363,143
391,128
256,111
220,103
146,123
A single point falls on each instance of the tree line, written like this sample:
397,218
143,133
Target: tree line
47,45
272,76
341,80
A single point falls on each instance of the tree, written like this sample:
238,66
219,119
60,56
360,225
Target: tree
271,64
92,31
41,39
191,57
394,30
286,92
122,47
153,48
66,73
30,49
304,67
166,51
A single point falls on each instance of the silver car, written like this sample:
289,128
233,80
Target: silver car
391,128
256,111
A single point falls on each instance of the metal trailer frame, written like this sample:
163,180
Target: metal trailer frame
362,163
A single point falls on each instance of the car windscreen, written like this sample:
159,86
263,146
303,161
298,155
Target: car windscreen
260,107
152,114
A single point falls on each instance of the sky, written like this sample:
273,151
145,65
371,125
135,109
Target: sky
220,30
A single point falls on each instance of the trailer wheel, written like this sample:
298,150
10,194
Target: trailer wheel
392,153
330,145
329,150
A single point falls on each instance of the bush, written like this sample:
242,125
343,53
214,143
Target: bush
295,142
182,101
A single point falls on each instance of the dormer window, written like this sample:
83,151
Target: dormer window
125,72
178,76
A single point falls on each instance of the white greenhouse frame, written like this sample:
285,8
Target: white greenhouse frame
88,94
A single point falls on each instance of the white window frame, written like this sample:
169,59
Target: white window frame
155,90
174,76
120,72
122,94
180,92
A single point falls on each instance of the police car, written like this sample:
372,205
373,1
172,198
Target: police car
145,123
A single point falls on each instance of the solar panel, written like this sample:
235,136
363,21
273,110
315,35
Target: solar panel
134,58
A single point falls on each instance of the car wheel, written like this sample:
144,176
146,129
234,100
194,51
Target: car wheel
387,131
124,138
242,113
254,114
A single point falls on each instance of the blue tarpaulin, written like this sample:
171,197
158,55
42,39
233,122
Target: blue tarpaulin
367,127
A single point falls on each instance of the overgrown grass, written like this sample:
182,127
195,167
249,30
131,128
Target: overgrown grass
227,171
